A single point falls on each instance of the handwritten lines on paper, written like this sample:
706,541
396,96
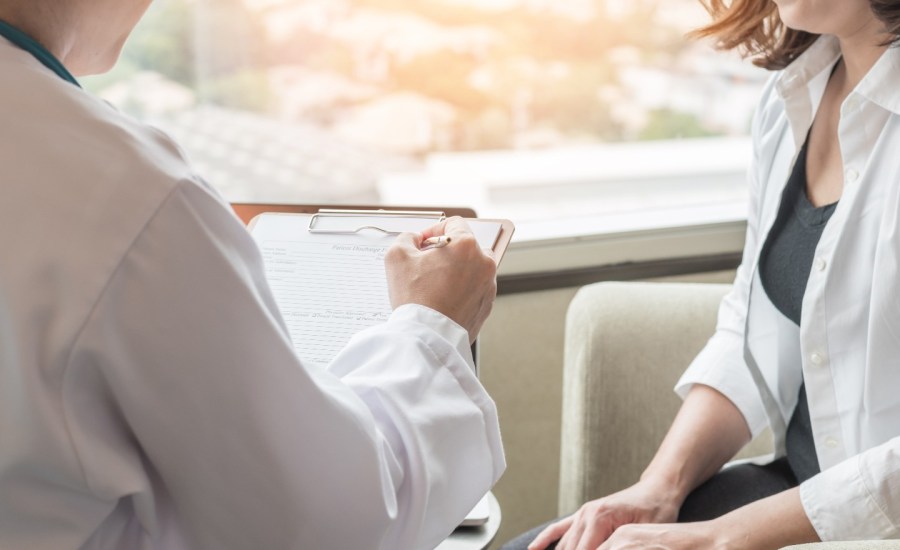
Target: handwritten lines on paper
327,292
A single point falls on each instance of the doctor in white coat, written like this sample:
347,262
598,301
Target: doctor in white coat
150,396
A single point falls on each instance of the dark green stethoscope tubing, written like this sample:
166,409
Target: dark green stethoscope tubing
39,52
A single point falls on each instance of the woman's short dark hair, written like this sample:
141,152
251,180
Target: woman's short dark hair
754,27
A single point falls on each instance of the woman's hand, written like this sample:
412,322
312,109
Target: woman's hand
627,520
593,524
665,536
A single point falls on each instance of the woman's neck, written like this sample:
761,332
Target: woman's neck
861,50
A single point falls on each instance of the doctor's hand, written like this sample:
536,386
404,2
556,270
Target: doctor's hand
595,522
458,280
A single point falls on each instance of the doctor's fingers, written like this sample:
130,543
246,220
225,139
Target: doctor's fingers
454,226
463,242
408,242
462,257
462,260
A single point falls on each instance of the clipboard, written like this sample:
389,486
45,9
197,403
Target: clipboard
246,211
250,214
327,219
325,266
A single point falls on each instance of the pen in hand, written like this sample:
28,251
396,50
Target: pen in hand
435,242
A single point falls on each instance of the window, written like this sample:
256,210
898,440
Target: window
566,116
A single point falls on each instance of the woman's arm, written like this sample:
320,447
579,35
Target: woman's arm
707,432
772,522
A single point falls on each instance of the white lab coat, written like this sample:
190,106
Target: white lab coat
154,399
849,343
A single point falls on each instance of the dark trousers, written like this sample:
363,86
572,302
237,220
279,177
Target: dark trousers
728,490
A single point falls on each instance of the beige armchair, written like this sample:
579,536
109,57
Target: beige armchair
626,345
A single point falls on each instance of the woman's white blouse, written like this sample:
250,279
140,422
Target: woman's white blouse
848,346
150,396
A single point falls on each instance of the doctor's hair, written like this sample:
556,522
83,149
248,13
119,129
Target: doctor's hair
754,28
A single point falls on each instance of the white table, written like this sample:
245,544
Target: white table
475,538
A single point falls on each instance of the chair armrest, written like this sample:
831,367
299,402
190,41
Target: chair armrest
626,345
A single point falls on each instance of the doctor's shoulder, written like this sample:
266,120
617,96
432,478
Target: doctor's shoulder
99,173
89,138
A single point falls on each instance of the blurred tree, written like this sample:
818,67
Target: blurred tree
216,47
313,50
445,13
163,42
543,71
572,103
246,90
443,75
229,38
668,124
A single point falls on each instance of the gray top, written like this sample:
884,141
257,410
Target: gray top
784,267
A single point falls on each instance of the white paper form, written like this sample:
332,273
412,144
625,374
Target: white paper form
331,286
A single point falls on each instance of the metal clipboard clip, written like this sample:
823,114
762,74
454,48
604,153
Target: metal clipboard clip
334,213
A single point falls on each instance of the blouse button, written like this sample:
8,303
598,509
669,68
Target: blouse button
831,442
821,264
816,359
851,175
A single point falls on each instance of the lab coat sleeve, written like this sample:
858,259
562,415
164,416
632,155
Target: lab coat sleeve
720,364
388,448
858,498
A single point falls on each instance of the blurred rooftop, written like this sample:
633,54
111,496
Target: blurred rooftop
249,157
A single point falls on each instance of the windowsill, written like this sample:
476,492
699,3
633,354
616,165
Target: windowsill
649,235
596,205
603,210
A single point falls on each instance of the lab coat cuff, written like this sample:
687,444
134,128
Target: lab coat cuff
445,327
841,506
720,365
458,337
